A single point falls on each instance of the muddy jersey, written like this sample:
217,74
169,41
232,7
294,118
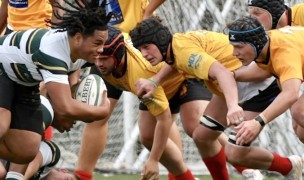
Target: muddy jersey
297,17
138,67
286,53
195,52
28,57
27,14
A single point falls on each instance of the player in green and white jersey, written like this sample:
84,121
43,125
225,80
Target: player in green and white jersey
35,55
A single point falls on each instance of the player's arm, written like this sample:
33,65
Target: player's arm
287,97
228,86
251,72
146,87
74,79
161,135
68,108
3,15
153,5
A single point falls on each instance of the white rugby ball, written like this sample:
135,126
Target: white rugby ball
90,89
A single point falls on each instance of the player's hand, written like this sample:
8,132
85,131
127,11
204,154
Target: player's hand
247,131
145,88
150,171
62,124
235,115
73,86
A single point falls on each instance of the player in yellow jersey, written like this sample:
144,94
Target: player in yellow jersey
279,53
133,11
24,14
275,14
121,65
192,54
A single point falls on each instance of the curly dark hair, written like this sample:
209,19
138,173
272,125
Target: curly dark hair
84,16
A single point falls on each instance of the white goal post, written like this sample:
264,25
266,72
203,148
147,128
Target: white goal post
123,152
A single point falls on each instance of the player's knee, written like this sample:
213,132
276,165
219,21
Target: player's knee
297,114
235,154
232,154
24,156
188,129
299,131
211,131
2,170
146,140
23,151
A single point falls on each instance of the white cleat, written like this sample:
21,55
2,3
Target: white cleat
252,174
297,166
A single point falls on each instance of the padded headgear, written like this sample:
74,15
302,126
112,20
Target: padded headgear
275,7
248,30
151,31
114,46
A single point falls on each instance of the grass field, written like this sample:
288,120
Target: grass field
137,177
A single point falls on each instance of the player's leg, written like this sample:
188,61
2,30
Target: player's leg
172,156
259,158
175,134
26,121
16,171
48,156
190,114
90,152
297,113
6,94
2,169
44,161
206,136
193,99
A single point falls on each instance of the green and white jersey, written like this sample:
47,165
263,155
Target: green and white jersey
35,55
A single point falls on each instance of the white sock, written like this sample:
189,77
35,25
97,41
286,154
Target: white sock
46,153
11,175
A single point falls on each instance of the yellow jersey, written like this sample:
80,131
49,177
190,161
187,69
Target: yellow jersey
138,67
133,12
194,53
297,17
286,55
27,14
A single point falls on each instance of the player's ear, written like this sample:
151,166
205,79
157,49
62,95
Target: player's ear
77,39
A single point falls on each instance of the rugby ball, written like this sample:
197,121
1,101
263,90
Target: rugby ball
90,90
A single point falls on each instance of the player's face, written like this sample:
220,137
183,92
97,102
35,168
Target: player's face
60,174
90,47
244,52
151,53
105,64
262,15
